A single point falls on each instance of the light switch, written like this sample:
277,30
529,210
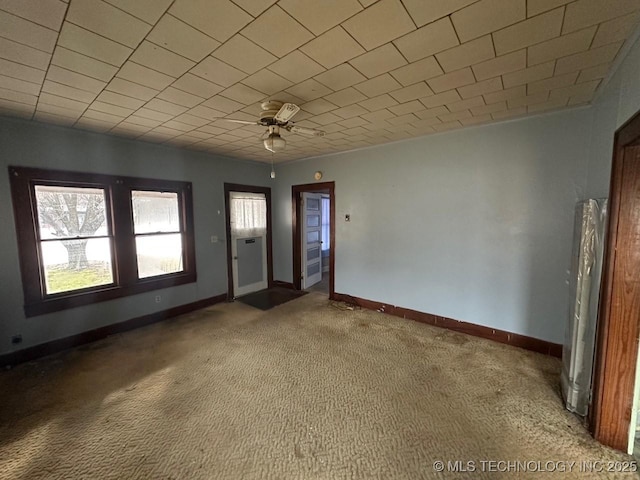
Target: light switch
347,218
214,239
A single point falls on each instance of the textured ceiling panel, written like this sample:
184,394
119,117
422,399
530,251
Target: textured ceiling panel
366,72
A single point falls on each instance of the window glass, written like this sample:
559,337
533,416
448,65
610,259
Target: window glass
155,211
74,242
159,254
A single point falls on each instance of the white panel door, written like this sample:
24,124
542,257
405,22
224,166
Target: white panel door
248,242
311,239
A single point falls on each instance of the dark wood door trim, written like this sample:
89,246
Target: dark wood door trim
619,312
234,187
296,192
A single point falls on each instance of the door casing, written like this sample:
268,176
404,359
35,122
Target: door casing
296,211
234,187
618,328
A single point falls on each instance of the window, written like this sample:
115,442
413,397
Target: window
86,238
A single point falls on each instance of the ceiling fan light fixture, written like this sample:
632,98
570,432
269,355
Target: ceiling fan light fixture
274,143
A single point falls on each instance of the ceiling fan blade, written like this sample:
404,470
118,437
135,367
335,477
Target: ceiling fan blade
245,122
306,131
286,112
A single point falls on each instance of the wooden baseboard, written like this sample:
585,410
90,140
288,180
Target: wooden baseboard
514,339
280,283
37,351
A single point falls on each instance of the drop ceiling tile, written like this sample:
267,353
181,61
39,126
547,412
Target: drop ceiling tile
266,81
353,122
179,97
327,118
145,76
130,89
18,97
332,48
378,85
196,86
580,99
319,17
153,118
180,38
112,109
529,32
49,13
480,88
459,115
528,100
222,104
487,16
427,11
382,22
73,79
476,120
491,108
211,129
430,113
443,127
221,22
350,111
412,92
285,97
165,107
450,96
68,92
207,113
561,46
243,94
550,105
616,30
451,80
512,62
119,100
28,33
57,101
93,125
309,90
531,74
584,13
55,119
340,77
105,117
380,115
552,83
277,32
161,59
183,127
466,104
318,106
515,92
61,111
586,88
379,61
594,73
345,97
590,58
92,45
23,54
467,54
244,55
253,7
296,67
21,72
428,40
535,7
420,70
218,72
82,64
148,10
108,21
403,119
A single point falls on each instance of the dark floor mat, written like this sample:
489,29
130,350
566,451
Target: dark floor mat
271,297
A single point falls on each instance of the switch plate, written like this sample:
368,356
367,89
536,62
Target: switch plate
214,239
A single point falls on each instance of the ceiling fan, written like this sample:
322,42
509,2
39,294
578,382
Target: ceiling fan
276,115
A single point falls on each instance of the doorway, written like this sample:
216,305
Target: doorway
619,313
248,225
313,209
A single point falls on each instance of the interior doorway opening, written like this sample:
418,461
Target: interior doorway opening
314,237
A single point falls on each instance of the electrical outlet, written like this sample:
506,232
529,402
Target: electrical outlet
16,339
158,298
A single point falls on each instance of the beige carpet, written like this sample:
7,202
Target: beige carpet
301,391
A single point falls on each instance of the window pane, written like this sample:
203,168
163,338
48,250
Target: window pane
155,212
68,212
159,254
75,264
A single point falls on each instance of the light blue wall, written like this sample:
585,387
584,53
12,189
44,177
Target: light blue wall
38,145
618,102
474,225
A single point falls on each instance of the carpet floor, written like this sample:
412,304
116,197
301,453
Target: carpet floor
300,391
